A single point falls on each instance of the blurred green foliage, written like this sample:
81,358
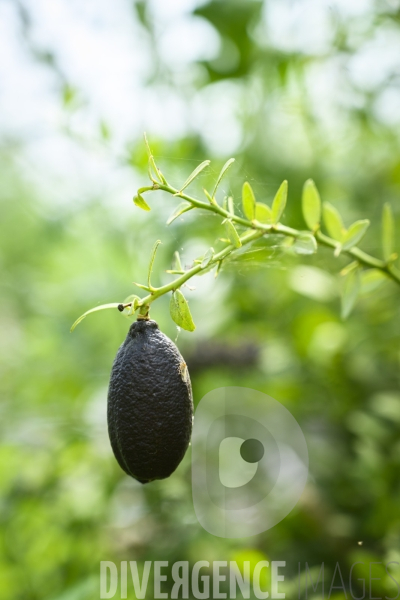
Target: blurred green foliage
65,503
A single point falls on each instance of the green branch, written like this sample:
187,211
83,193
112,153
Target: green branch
362,257
260,220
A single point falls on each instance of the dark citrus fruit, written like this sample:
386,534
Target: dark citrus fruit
150,407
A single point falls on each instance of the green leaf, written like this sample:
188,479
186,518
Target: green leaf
176,262
353,265
387,231
101,307
305,244
152,163
152,257
355,233
222,173
179,210
193,175
228,205
131,309
333,222
311,204
207,258
350,291
371,280
232,234
279,202
140,202
248,201
146,141
180,312
263,213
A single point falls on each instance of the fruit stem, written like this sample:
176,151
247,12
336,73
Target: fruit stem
196,270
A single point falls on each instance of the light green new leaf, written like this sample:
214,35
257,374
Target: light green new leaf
355,233
176,262
371,280
248,201
207,258
305,244
350,291
387,231
180,312
152,164
333,222
279,202
152,257
263,213
141,203
232,234
193,175
180,210
101,307
311,205
222,173
353,265
228,205
134,305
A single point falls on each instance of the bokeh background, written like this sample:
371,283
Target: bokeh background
293,89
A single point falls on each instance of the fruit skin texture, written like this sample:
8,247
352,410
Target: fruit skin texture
150,406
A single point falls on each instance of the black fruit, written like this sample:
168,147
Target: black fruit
150,407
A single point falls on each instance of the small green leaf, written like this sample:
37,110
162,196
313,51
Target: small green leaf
371,280
95,309
152,163
232,234
152,257
350,291
248,201
193,175
279,202
263,213
353,265
305,244
333,222
222,173
146,141
231,207
218,269
355,233
176,262
140,202
387,231
131,309
311,204
179,210
180,312
207,258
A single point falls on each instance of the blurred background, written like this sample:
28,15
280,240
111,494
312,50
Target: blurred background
293,89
